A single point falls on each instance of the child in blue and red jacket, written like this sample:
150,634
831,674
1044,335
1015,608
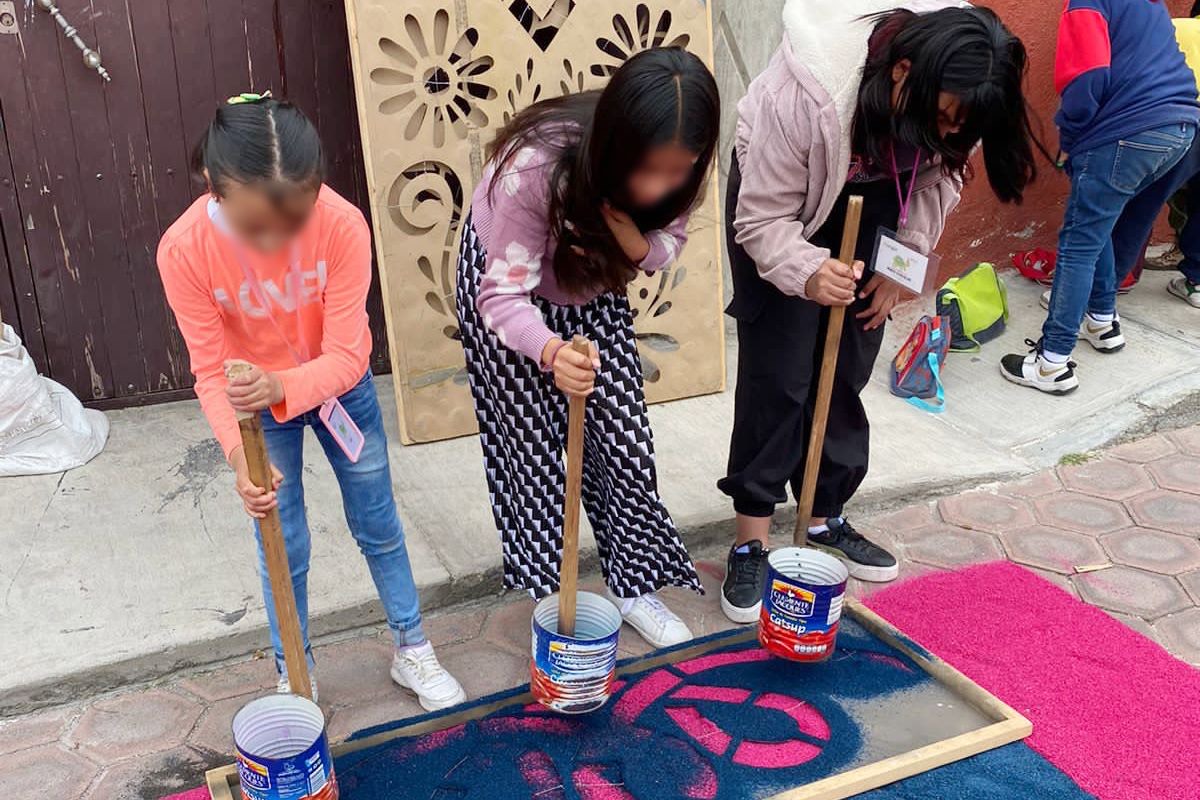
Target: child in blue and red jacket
1128,114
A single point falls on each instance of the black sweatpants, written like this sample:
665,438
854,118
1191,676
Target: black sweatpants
781,339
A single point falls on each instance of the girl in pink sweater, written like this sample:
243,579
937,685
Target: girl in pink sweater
581,193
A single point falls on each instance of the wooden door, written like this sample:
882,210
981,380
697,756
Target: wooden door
96,171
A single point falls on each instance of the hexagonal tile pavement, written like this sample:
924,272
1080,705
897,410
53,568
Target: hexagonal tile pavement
1187,439
1191,582
1137,623
41,727
1081,513
1132,591
1178,473
1107,477
132,724
897,522
159,775
985,511
1156,551
504,670
1052,549
948,546
48,771
256,675
1168,511
508,625
1181,634
354,670
1143,450
345,721
214,732
1035,485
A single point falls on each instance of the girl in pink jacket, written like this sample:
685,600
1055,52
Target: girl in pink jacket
860,99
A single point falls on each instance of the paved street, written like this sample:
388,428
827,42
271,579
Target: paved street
1119,530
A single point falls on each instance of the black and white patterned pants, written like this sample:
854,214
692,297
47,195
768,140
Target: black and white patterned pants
522,428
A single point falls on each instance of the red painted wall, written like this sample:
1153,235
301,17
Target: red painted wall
983,229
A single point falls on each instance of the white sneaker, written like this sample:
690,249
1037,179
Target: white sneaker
417,669
1185,291
650,617
1035,371
1104,336
283,687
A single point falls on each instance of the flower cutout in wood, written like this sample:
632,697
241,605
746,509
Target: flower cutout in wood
433,82
644,33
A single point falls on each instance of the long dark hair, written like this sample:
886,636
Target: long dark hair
597,140
265,142
969,53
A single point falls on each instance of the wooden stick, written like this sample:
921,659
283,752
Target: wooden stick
568,574
275,550
833,340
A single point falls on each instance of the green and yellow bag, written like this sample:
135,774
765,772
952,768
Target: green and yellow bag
976,303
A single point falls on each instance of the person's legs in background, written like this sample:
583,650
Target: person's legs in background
1187,286
1103,181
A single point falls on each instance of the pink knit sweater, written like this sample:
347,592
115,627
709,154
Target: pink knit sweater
513,225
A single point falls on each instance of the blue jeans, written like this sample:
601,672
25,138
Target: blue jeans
1103,182
1137,221
370,513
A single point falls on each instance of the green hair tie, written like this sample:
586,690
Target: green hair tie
248,97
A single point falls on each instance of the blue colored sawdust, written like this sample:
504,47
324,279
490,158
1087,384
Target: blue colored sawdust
515,754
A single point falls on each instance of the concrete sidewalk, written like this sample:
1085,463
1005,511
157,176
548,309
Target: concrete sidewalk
142,563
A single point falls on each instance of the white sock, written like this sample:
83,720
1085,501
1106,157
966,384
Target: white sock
1055,358
1101,318
823,527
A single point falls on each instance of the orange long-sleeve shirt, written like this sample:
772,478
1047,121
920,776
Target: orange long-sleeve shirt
221,317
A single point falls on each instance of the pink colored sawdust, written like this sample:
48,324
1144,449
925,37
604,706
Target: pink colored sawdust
1109,707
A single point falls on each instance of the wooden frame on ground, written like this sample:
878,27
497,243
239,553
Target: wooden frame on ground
1007,725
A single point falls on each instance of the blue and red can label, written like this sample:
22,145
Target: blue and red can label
574,674
800,614
282,750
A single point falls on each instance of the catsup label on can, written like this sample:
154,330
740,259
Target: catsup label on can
282,751
802,604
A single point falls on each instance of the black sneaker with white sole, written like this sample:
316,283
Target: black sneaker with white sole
1035,371
745,581
864,559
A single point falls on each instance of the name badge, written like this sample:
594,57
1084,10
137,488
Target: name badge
342,428
901,264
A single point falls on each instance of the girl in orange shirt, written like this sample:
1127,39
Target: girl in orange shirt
273,267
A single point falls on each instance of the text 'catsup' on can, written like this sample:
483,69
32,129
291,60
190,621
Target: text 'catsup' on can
802,603
282,750
574,674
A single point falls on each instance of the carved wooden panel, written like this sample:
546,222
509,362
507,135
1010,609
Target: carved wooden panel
435,79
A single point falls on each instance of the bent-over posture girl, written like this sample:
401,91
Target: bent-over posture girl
581,193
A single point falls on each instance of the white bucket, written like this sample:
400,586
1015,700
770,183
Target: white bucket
282,750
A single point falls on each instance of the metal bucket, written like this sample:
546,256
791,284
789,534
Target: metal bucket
802,604
574,674
282,750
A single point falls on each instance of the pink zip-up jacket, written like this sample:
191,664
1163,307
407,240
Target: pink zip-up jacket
793,141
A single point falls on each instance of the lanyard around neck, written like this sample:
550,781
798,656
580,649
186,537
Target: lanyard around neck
905,201
256,288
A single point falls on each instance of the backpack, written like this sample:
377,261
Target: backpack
976,304
917,367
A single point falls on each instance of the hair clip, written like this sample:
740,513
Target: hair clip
248,97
